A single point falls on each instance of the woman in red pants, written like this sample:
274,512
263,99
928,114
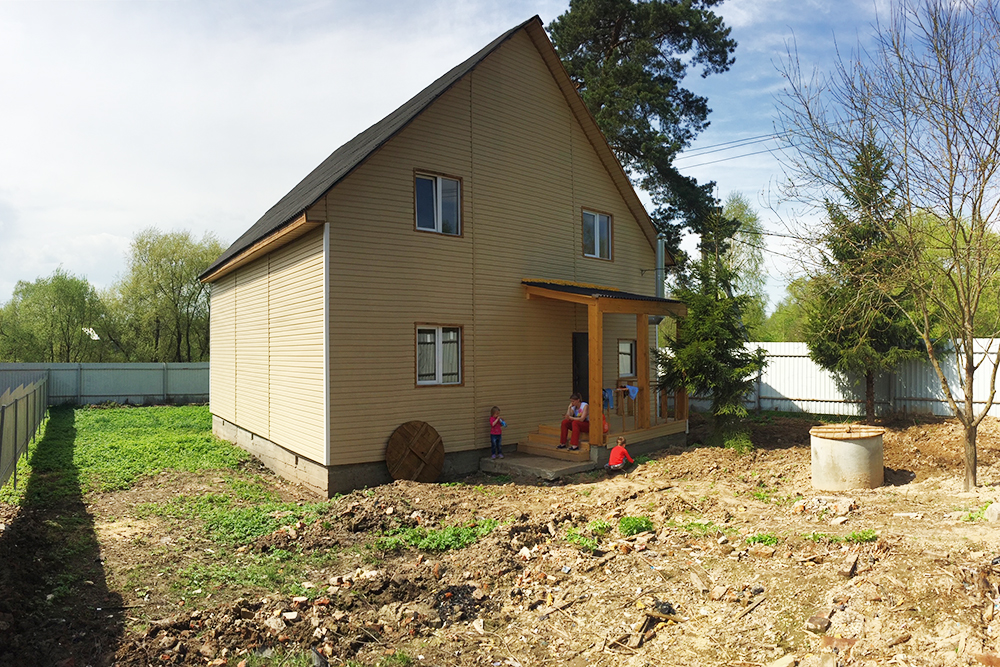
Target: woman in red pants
577,419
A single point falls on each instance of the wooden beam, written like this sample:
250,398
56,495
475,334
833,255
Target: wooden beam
298,227
541,292
635,306
595,339
642,370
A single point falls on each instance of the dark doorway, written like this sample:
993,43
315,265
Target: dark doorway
581,365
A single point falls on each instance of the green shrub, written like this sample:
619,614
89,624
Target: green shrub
633,525
764,538
739,441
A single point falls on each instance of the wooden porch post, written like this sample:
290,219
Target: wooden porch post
681,404
595,340
642,370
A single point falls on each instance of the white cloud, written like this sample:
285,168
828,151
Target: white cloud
119,116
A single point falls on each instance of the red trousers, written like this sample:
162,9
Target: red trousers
576,426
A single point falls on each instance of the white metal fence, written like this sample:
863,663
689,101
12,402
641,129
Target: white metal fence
142,384
22,410
792,382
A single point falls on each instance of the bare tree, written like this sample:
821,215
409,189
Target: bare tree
927,93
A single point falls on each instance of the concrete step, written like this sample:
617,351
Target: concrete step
519,463
531,446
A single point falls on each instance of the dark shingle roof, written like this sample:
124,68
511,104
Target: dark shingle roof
595,291
343,160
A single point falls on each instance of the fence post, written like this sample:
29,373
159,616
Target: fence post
164,384
3,419
79,384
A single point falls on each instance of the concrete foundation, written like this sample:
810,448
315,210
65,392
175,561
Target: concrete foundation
846,457
327,481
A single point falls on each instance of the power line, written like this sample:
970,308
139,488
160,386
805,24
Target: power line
737,141
726,159
728,146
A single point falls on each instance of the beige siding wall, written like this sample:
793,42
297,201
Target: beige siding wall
527,172
222,371
252,404
267,347
296,332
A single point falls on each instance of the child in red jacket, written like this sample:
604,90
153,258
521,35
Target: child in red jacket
618,455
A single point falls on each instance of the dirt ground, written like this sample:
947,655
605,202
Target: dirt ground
746,564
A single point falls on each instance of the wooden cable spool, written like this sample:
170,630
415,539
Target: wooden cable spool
415,452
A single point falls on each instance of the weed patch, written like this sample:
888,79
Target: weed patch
976,514
633,525
443,539
860,536
227,522
576,536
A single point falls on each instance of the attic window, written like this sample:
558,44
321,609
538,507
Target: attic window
438,203
596,235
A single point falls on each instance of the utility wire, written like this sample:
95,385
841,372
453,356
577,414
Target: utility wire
727,159
728,146
760,137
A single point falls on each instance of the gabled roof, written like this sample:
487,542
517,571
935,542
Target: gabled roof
348,157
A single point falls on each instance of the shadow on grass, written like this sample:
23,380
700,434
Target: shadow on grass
55,606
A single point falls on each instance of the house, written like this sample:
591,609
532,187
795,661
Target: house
479,246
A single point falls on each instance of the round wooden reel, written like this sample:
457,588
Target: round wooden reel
415,452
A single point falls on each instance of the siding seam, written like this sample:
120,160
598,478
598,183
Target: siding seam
326,341
472,210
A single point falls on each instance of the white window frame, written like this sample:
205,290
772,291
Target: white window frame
632,354
439,182
438,355
595,251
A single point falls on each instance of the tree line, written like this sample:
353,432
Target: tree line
897,147
157,311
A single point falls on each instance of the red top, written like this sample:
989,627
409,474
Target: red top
617,454
496,428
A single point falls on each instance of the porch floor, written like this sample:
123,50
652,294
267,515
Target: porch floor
545,441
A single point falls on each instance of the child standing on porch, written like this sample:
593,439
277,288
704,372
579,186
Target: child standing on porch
496,429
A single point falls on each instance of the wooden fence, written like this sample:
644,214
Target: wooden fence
22,411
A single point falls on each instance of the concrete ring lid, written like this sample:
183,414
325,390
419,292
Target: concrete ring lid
846,431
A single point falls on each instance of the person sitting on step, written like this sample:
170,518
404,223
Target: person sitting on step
577,419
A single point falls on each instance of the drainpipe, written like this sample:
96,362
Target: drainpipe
659,274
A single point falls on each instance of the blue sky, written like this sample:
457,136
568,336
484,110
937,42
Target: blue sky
192,115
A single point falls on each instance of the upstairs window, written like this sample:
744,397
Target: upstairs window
438,204
596,235
439,355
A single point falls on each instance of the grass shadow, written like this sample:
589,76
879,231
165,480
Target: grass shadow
55,606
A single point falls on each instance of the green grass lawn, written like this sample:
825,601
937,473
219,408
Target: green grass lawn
93,449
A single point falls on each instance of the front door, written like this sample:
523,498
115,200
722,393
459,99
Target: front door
581,365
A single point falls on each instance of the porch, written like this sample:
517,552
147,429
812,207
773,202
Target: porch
625,408
670,419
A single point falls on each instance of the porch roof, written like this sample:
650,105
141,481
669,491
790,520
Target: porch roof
606,299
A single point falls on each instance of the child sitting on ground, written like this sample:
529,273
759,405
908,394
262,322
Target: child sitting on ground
618,455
